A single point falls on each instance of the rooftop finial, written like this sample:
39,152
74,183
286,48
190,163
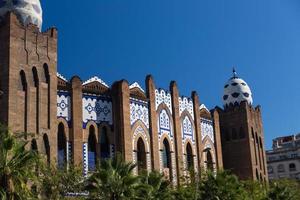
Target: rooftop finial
234,72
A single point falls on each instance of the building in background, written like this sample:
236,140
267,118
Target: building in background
284,159
86,121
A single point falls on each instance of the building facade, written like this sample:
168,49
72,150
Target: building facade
284,159
86,121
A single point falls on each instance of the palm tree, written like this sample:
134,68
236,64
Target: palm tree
153,186
113,180
221,185
16,166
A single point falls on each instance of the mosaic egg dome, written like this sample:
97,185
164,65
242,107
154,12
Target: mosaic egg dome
236,90
28,11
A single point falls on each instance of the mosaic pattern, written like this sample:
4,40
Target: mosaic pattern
164,124
162,96
186,104
207,129
187,130
28,11
97,109
139,111
64,105
85,159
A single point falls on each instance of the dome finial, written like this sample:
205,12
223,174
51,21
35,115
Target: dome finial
234,72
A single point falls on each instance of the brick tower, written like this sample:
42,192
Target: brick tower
28,78
242,132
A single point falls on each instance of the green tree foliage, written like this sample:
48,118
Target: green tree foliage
284,190
113,180
152,186
16,166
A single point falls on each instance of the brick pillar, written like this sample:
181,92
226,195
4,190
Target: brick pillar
217,135
177,130
155,153
121,104
77,131
197,122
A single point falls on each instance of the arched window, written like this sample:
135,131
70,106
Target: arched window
166,154
104,144
92,149
292,167
280,168
47,147
234,134
34,146
46,72
61,146
189,157
23,81
209,161
242,134
252,133
141,155
35,77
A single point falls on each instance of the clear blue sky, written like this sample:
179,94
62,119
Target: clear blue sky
194,42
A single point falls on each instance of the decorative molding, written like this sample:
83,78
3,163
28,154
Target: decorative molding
187,130
136,85
61,77
164,124
161,96
95,79
202,106
186,104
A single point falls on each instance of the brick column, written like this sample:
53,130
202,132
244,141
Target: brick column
77,131
155,152
121,103
177,130
217,134
197,122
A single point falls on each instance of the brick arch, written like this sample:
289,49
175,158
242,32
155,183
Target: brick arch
162,107
66,127
35,76
171,142
188,141
207,143
139,131
184,114
137,135
87,131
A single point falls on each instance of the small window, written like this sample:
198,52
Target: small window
246,94
225,97
226,86
235,95
292,167
234,84
244,84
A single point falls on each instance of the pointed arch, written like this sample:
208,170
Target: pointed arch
34,146
209,161
46,73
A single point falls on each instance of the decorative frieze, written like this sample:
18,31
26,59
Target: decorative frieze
186,104
162,96
139,111
97,109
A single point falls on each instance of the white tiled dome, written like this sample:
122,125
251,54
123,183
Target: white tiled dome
236,90
28,11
